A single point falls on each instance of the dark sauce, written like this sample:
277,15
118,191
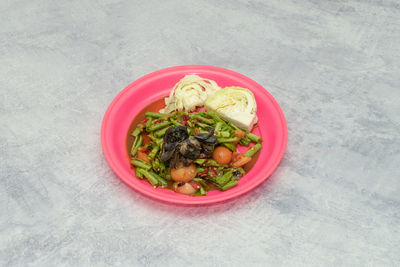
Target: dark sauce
155,107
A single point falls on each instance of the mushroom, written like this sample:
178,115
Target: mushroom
190,148
178,147
207,138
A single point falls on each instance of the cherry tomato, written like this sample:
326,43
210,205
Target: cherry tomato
222,155
183,173
183,188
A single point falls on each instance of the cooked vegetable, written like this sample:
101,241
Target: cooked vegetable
153,180
231,146
155,115
190,153
222,155
223,179
245,141
161,180
143,157
183,173
228,140
189,93
229,185
154,152
183,188
253,150
238,160
236,105
159,126
141,164
136,145
254,138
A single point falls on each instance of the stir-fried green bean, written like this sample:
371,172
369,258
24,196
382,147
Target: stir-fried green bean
213,163
254,138
245,141
141,164
161,132
159,141
230,146
202,191
154,152
223,179
139,174
202,125
218,126
214,116
253,150
201,181
200,170
136,145
201,118
233,125
228,140
174,122
136,132
200,161
158,126
209,173
155,115
149,176
149,123
161,180
156,164
229,185
168,175
222,134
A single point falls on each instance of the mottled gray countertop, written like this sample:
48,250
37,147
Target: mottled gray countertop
333,66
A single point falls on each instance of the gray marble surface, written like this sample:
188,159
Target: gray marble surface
332,65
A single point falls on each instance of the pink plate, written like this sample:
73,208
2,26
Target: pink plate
154,86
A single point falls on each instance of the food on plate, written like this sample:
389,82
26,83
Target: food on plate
222,155
236,105
190,92
191,151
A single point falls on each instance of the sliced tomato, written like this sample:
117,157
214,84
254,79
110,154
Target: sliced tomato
146,139
239,160
239,134
143,156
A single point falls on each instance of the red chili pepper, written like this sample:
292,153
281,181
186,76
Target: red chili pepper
203,174
196,185
185,117
144,150
213,171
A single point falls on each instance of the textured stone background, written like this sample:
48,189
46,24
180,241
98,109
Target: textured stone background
332,65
